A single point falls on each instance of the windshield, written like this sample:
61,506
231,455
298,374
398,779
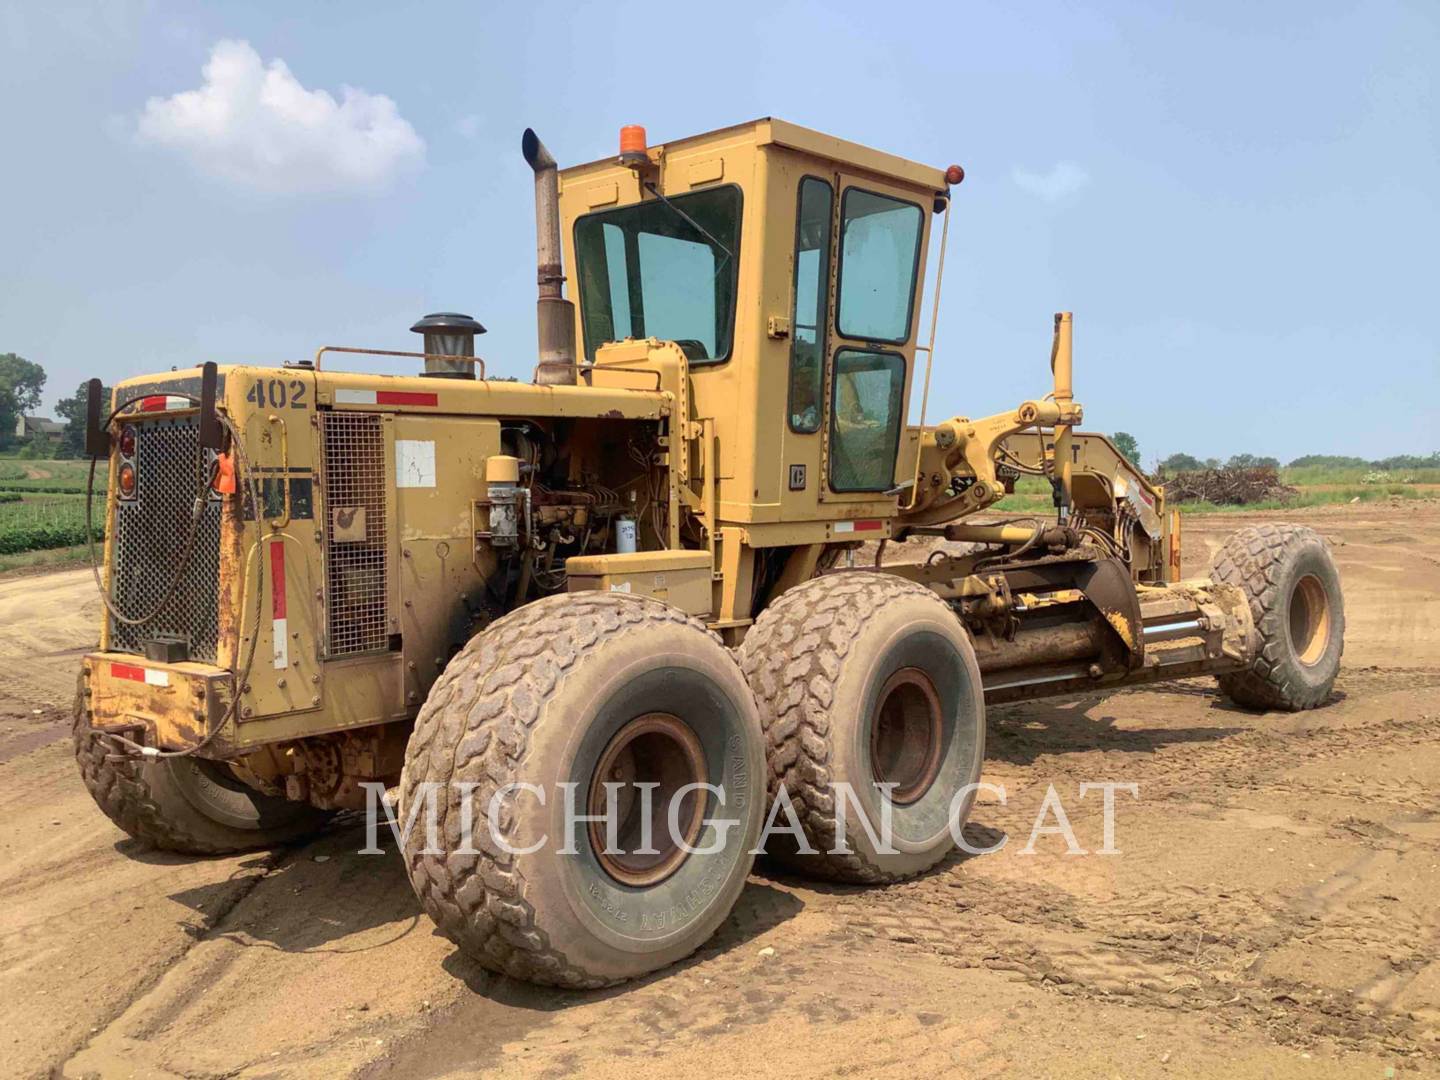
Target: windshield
647,271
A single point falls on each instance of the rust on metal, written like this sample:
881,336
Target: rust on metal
657,748
907,735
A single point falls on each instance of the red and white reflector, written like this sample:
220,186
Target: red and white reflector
385,397
163,403
872,525
280,625
136,673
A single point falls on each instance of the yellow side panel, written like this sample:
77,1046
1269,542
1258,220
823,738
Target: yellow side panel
679,578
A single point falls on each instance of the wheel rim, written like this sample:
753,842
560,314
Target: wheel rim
1309,620
221,796
906,735
657,748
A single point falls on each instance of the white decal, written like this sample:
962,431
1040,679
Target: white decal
414,463
282,643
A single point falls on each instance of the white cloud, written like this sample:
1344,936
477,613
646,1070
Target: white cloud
1064,179
468,126
254,124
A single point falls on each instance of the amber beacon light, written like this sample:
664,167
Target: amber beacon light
632,145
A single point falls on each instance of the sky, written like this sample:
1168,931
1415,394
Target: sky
1239,201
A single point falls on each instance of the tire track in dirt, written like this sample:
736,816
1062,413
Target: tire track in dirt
986,963
1151,937
244,886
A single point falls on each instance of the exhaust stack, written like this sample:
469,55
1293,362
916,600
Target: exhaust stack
555,315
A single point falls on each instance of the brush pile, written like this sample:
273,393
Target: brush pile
1226,486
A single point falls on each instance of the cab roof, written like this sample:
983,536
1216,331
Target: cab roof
768,131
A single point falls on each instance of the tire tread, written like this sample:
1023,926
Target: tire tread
1254,559
475,726
124,794
792,658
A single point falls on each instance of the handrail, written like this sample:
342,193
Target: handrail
589,370
284,520
391,352
929,360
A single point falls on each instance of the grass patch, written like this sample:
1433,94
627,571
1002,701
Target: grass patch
1032,494
45,477
1308,498
1315,475
64,474
47,559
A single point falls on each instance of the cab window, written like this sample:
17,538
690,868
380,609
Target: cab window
879,259
866,411
662,269
812,288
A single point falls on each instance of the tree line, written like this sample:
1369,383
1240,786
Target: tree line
1179,463
21,384
22,381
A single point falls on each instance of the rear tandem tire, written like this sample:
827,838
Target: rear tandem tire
1293,586
187,804
549,695
863,677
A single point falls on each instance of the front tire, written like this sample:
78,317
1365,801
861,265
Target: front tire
1293,586
865,678
584,689
184,804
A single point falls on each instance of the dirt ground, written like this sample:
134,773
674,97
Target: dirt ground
1274,911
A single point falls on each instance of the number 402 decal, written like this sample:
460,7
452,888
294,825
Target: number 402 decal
278,393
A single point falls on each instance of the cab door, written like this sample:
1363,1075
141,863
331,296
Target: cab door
880,233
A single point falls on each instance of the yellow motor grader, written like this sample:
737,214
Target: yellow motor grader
634,580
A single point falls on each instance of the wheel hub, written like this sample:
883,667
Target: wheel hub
1309,620
655,749
906,735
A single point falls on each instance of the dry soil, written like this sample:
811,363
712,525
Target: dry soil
1274,909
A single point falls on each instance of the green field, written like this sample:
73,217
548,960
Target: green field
41,521
1324,476
1319,486
47,477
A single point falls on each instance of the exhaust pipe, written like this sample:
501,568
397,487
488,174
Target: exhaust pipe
555,315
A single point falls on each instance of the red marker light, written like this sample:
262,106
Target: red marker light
127,441
954,175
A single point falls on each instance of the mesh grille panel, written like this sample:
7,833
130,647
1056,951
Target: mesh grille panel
149,539
355,545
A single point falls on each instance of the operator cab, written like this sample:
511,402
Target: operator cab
787,267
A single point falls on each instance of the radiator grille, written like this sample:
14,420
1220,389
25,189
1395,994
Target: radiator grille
356,565
149,540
